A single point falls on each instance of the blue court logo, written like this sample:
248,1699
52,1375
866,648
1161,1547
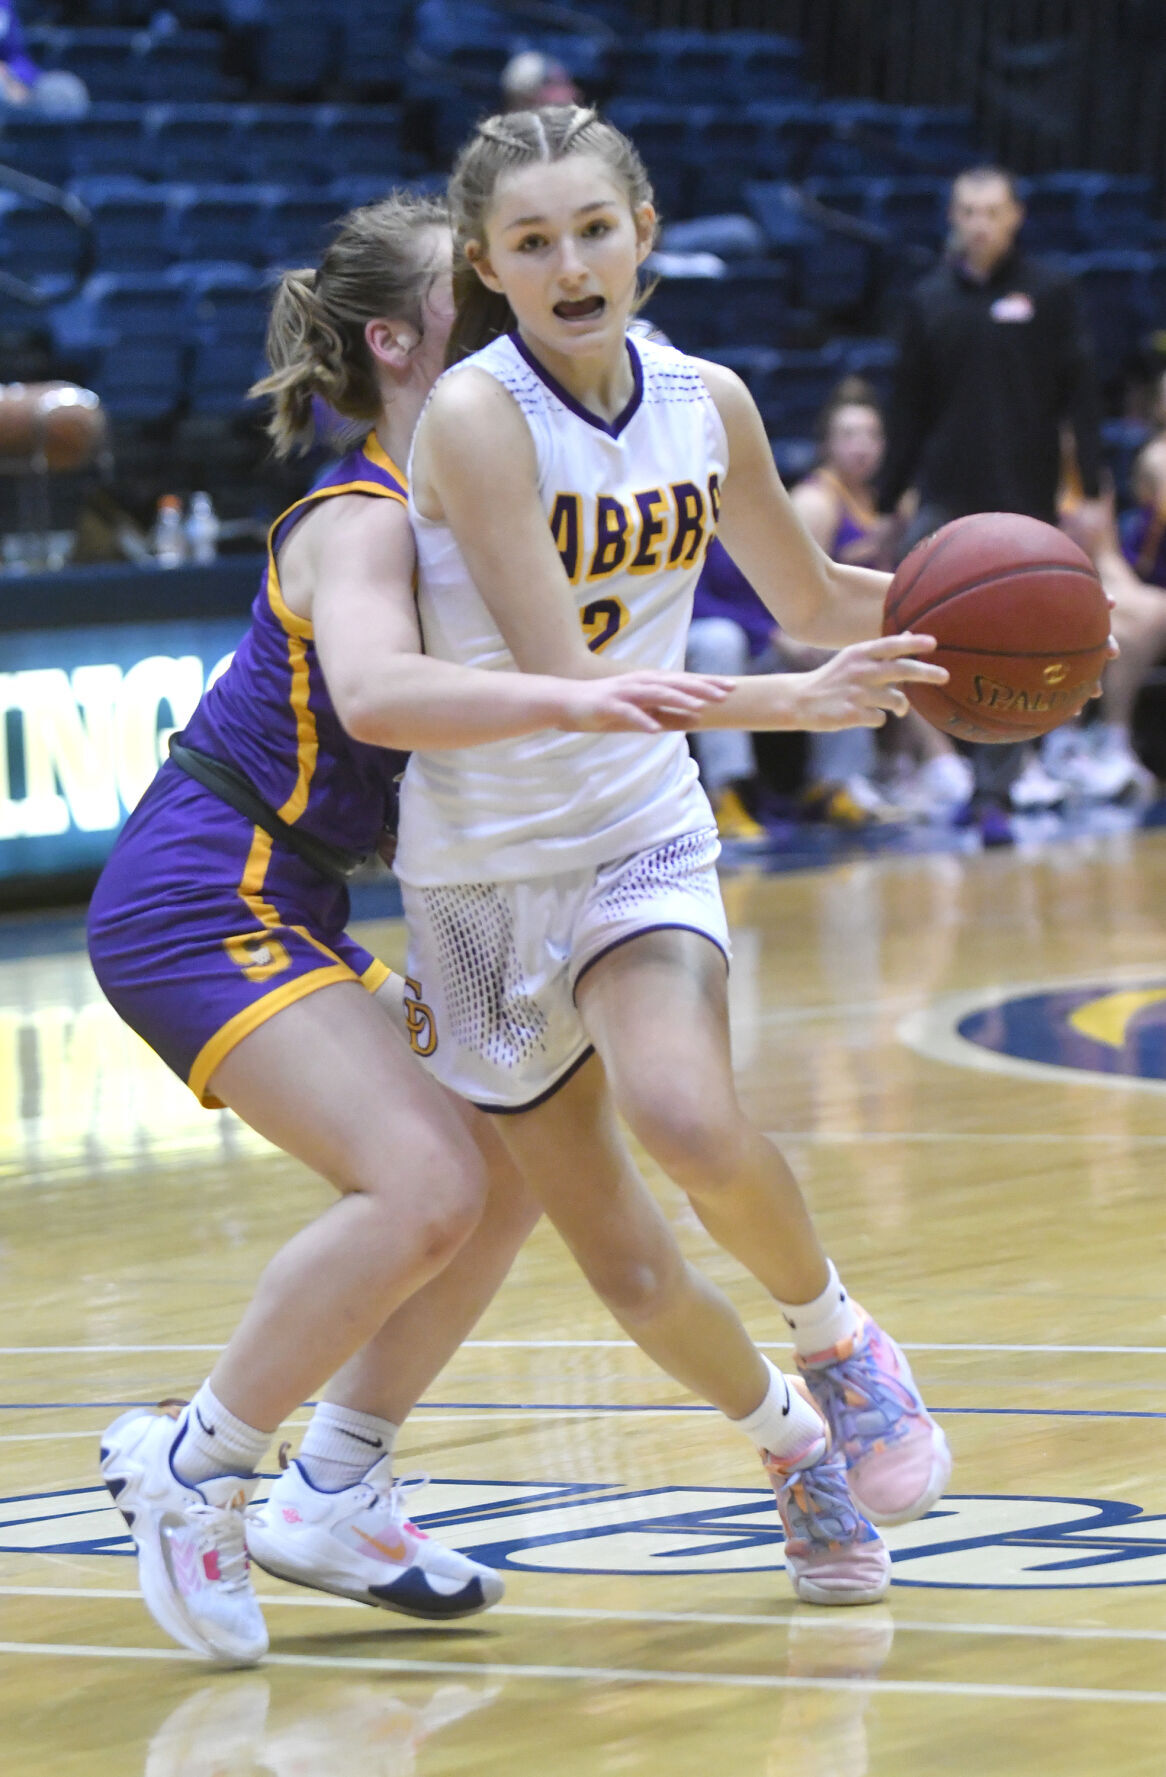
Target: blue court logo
970,1542
1112,1031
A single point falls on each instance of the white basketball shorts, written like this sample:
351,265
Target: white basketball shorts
496,963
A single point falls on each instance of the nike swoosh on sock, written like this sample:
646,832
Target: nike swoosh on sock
373,1443
208,1429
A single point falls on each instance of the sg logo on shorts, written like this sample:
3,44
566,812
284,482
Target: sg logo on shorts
258,954
419,1020
1109,1031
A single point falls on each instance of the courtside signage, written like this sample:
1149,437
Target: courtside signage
85,715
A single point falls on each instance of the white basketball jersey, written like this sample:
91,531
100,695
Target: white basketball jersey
631,506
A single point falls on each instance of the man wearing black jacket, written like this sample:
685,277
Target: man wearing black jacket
993,364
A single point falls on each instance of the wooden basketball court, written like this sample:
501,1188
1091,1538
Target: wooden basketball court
965,1056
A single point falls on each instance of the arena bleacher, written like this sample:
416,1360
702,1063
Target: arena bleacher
222,140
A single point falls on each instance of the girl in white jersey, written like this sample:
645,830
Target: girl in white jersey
565,919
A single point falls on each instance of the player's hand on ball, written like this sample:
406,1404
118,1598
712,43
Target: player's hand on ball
644,702
860,686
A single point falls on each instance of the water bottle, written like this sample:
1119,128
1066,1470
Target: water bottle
169,538
202,528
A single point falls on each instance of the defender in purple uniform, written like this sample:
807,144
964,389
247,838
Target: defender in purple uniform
217,931
263,911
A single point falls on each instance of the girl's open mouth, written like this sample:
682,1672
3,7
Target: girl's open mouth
582,310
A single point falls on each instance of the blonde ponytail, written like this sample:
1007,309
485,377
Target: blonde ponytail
380,265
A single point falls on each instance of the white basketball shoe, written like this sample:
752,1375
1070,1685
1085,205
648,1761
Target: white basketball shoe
359,1544
192,1555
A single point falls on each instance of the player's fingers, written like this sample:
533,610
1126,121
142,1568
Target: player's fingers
628,715
1112,648
895,701
703,687
884,647
919,672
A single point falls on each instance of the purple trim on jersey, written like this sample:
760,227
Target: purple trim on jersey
612,428
663,925
516,1110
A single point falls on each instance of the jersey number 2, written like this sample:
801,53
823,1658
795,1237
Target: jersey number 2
602,619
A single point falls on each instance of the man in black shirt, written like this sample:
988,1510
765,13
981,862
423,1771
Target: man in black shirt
993,364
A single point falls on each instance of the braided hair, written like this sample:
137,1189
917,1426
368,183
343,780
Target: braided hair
503,144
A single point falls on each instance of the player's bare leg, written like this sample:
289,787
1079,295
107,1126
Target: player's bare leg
412,1189
573,1156
656,1009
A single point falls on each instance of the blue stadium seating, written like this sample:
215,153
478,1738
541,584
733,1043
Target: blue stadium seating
791,132
798,386
140,380
282,145
687,310
297,225
859,137
183,66
191,143
218,222
1116,211
754,303
1114,288
128,218
911,210
40,146
111,142
38,243
298,47
123,305
225,320
702,67
361,140
754,364
373,41
103,56
941,138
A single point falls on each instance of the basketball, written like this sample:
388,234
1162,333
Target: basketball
1020,619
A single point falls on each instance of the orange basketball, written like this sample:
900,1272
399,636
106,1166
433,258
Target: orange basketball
1021,621
58,421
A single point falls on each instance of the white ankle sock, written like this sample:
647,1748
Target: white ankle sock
784,1422
214,1442
825,1321
341,1445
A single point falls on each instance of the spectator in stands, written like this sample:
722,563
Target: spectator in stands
992,360
23,86
1096,759
1143,528
732,627
836,502
531,79
732,632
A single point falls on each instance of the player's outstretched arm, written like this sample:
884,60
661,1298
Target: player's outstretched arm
856,688
356,554
814,599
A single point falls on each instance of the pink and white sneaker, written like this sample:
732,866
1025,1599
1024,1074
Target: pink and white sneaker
359,1543
833,1555
192,1560
897,1458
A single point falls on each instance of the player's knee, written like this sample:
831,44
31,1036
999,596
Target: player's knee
436,1188
635,1288
695,1144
